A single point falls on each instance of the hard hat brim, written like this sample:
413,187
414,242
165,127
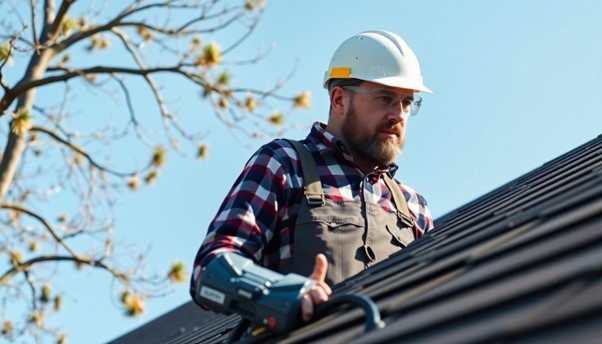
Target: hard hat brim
396,82
399,83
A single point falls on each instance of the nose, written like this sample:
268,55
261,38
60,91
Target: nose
396,112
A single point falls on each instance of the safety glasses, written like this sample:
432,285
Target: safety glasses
386,99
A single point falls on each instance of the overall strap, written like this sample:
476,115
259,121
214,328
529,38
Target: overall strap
313,187
400,201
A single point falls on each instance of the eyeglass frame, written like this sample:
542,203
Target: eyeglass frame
413,107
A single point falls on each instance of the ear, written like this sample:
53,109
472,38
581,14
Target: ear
339,100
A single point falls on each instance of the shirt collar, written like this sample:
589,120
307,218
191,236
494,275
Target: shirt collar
329,144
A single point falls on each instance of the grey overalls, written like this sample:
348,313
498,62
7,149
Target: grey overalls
353,235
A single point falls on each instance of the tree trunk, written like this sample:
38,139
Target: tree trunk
16,143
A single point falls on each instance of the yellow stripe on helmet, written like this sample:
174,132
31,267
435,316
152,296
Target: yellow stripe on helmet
340,73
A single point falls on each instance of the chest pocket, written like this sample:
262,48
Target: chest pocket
401,236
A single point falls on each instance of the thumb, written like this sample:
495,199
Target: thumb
320,268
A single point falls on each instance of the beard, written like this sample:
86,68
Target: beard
370,147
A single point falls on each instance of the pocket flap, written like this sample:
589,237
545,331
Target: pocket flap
403,236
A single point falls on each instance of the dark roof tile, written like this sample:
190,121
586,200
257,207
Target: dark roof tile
522,263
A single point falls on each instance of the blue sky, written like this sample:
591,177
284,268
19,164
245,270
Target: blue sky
516,83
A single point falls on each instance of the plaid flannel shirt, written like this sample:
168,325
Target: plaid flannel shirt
257,218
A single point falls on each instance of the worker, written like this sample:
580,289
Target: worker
337,211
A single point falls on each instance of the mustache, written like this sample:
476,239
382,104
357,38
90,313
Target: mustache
396,128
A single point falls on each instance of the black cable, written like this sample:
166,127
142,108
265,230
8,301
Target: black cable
373,320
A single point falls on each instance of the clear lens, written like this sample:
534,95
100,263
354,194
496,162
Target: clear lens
386,99
415,105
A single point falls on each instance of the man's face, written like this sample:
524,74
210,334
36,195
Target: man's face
374,125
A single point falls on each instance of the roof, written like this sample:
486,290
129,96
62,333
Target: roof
522,263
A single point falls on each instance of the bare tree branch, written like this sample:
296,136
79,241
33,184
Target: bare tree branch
246,35
48,19
81,151
26,265
133,120
10,95
34,25
53,29
117,22
166,116
43,221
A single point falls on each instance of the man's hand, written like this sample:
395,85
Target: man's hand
320,292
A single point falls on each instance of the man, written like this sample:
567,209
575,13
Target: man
338,211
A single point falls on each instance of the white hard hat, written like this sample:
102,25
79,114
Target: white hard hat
377,56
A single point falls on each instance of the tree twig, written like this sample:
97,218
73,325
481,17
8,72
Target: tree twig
26,265
81,151
43,221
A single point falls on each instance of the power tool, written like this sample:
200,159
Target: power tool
232,283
